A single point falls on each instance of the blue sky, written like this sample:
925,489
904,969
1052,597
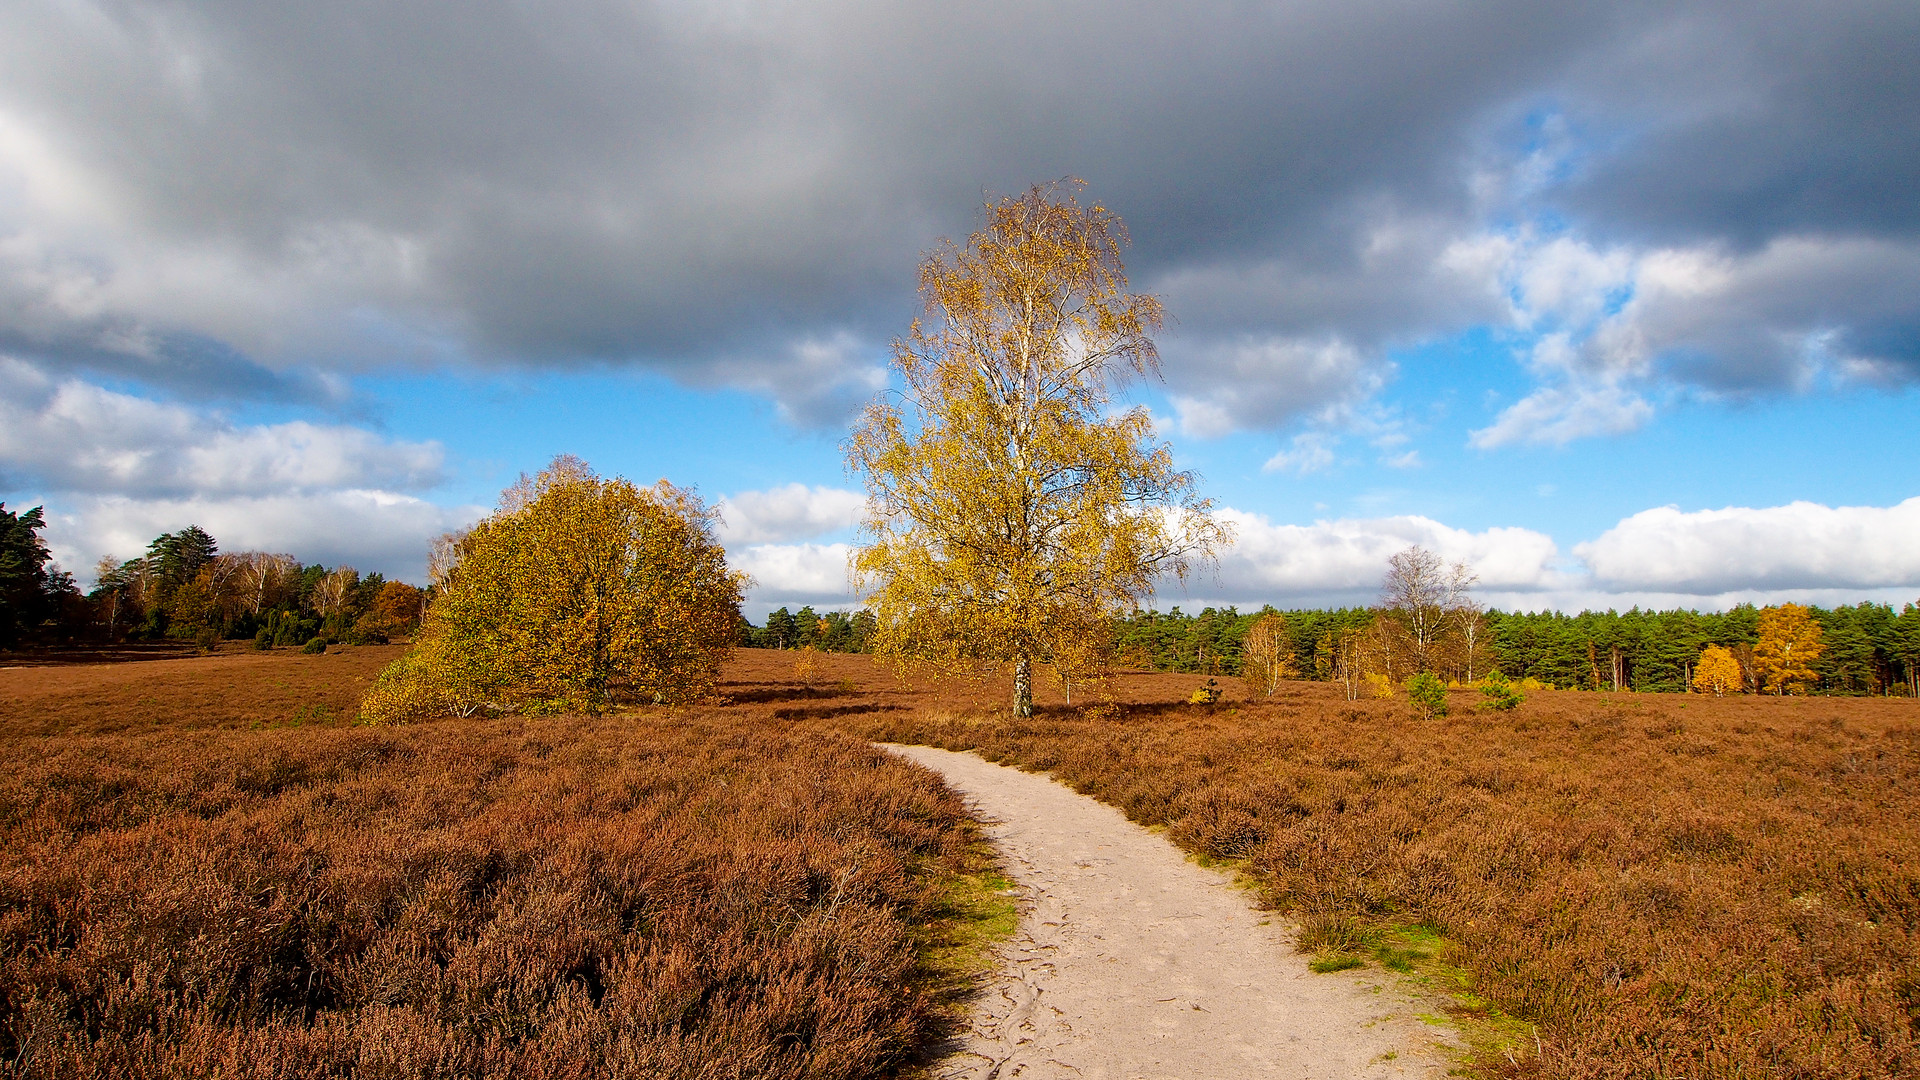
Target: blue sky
1620,304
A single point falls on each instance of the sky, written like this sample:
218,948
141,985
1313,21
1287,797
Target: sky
1618,302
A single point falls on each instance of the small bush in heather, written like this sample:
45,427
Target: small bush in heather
1500,692
1429,694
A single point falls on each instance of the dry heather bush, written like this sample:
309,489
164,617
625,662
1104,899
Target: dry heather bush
1667,886
636,897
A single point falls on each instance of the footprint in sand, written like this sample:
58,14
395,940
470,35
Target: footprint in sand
1131,962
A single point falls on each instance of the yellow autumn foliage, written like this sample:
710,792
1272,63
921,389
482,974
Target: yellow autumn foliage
1716,672
1011,513
577,593
1789,643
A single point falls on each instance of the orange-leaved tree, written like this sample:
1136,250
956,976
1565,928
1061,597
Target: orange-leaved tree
1011,513
576,593
1789,643
1716,672
395,611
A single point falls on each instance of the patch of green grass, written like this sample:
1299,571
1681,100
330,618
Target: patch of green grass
976,910
1335,962
1419,952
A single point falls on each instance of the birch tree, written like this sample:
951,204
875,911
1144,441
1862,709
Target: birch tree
1266,656
1011,513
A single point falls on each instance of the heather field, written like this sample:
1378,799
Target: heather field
697,894
1658,885
203,872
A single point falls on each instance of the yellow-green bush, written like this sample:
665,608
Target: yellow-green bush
577,593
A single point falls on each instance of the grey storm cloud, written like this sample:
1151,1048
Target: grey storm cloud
228,197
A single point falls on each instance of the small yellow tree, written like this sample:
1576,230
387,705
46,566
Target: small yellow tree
576,593
1717,672
1789,643
1266,656
1011,514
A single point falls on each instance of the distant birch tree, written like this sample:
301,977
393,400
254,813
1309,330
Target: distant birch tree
1789,643
1266,654
1416,590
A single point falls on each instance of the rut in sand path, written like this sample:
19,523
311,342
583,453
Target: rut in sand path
1131,962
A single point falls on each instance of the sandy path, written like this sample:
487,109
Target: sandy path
1131,961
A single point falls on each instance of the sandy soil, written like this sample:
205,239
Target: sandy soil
1131,961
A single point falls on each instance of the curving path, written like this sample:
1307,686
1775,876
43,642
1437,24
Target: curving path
1131,962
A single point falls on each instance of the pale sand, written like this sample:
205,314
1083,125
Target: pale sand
1132,962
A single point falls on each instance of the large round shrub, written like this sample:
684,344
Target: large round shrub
577,593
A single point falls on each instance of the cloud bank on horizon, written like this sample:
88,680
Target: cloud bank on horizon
1658,558
210,210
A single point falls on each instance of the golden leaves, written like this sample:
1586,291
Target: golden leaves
1009,515
577,592
1789,643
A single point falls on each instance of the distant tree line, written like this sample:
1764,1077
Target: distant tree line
184,588
834,631
1863,648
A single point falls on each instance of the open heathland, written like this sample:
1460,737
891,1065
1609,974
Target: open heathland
172,689
1652,884
690,894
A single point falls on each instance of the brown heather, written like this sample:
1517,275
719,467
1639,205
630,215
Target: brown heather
693,894
1667,885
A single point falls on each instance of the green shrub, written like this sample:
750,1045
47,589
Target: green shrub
263,639
315,647
1500,692
1429,693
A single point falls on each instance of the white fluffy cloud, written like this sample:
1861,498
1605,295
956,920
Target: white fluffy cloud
792,512
1311,452
1659,558
1343,561
1799,546
370,530
74,436
117,470
793,574
1256,382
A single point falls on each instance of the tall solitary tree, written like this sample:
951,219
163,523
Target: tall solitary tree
1010,512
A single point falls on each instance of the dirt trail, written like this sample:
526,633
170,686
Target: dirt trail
1131,962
